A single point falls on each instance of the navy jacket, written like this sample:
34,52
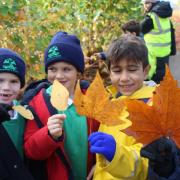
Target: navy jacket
11,165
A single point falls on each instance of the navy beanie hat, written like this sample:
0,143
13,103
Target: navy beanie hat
11,62
66,48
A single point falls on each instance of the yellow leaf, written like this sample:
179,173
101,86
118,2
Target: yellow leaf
59,96
96,103
26,113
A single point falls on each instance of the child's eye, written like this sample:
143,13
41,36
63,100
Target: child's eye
67,69
15,81
132,70
52,69
116,70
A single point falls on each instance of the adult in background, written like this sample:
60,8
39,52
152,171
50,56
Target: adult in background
159,36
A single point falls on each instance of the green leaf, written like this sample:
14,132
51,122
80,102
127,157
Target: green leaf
4,10
16,39
97,14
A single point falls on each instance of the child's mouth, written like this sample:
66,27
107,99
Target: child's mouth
126,87
5,95
63,82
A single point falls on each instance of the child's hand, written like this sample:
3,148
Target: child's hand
104,144
55,124
91,173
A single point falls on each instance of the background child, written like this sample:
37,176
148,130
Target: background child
132,27
12,79
128,64
63,138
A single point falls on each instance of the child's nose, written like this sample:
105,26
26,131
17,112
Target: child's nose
6,86
59,75
124,76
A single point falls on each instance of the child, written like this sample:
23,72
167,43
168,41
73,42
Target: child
12,79
128,65
118,155
132,27
62,139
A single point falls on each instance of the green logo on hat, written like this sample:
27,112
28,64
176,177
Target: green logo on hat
53,52
9,65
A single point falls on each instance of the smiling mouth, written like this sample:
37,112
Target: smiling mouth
126,86
64,82
5,95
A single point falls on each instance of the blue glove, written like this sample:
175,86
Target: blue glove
103,143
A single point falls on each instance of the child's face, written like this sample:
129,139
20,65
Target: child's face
147,6
128,76
9,87
65,73
131,33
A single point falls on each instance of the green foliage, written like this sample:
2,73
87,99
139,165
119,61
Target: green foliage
27,26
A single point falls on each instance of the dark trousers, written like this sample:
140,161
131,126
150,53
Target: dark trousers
160,68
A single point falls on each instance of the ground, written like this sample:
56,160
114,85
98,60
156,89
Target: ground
174,64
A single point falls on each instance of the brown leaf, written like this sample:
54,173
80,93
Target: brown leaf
160,119
96,103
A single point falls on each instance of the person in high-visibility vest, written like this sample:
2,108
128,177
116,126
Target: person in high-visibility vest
158,35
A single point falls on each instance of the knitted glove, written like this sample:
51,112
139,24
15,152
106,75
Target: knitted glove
103,143
161,154
4,115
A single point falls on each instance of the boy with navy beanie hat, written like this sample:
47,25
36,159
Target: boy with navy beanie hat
64,47
11,62
59,136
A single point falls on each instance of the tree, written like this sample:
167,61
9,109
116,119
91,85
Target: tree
26,26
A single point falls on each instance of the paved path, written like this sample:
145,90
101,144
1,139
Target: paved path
174,64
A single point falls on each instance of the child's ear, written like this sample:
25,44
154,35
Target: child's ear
146,71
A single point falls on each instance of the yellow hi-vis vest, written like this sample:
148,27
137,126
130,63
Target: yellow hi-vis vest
158,40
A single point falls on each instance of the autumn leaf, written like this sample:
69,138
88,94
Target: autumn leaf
96,103
160,119
26,113
59,96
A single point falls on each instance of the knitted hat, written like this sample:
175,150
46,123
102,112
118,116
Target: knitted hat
11,62
150,1
66,48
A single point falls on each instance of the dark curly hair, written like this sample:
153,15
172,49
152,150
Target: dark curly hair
129,47
132,26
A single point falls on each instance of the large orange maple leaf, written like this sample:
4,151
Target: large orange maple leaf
96,103
160,119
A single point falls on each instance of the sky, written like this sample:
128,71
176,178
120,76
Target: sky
174,3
